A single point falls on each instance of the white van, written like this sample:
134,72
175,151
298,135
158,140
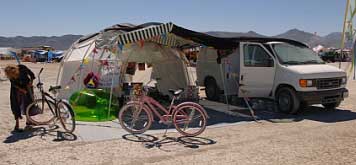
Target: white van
280,69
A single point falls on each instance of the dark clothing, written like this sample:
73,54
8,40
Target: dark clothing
19,100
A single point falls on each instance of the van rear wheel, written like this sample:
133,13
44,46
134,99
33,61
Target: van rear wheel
211,90
287,100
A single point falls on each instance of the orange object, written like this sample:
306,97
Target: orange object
303,83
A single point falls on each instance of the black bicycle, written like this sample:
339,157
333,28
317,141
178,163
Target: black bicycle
49,109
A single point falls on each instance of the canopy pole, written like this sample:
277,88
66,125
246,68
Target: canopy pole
187,71
111,90
61,66
112,86
353,64
223,81
343,32
80,73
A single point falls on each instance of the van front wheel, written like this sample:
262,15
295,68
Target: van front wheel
287,100
331,105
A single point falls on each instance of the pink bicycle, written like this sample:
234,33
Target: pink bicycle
189,118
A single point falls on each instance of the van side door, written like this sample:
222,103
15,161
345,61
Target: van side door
257,67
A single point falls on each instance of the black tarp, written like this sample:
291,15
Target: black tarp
226,43
199,37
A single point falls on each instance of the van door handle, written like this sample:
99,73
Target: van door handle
242,77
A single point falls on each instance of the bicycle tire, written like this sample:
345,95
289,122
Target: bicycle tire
181,113
147,118
66,116
44,115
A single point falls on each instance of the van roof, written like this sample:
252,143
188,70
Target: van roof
264,40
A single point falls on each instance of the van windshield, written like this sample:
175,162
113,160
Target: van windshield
294,55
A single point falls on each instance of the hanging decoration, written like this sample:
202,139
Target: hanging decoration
114,50
85,61
141,43
128,46
95,51
104,63
121,47
91,80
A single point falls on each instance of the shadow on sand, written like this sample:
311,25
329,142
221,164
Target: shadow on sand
41,132
150,141
314,113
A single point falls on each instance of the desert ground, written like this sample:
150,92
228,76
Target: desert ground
314,136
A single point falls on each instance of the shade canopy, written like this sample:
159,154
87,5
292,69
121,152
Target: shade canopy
156,43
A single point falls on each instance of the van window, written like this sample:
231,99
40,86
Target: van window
256,56
294,55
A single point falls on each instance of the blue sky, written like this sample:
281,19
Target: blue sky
269,17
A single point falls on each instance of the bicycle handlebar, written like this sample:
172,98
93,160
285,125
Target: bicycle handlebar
39,84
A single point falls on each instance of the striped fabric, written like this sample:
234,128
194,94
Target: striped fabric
166,39
145,33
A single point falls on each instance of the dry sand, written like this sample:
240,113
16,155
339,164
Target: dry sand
318,137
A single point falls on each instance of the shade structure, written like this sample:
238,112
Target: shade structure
111,53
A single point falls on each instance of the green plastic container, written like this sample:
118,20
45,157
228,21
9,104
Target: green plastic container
93,105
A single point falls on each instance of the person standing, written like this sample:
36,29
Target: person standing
21,93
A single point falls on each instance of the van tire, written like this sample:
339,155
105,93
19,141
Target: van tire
287,100
211,90
331,106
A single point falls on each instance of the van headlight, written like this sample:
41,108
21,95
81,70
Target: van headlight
306,83
343,80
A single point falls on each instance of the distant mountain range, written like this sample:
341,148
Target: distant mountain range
59,43
64,42
330,40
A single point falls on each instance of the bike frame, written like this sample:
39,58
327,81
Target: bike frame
152,104
45,96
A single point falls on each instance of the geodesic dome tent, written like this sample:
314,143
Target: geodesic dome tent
109,52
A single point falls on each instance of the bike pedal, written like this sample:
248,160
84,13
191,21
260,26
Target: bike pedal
147,145
52,126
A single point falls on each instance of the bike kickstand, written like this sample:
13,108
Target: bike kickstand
251,110
165,132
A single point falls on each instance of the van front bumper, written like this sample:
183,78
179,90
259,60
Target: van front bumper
323,97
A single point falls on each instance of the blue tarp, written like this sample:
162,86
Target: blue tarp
49,56
15,55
